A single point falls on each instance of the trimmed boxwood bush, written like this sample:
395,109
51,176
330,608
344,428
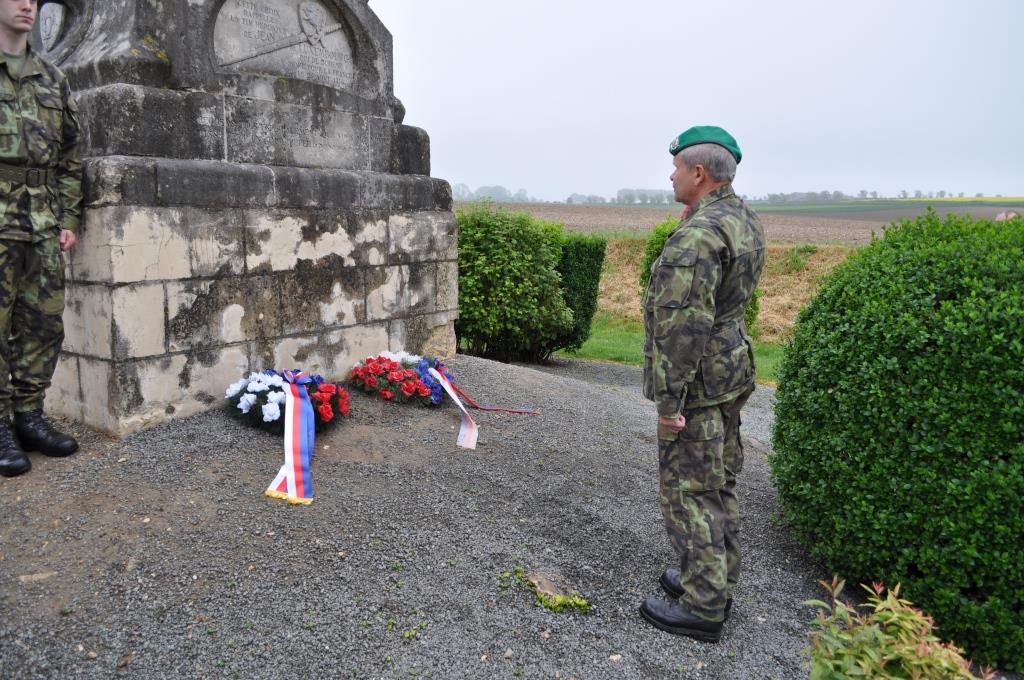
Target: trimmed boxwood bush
656,243
899,432
580,269
511,305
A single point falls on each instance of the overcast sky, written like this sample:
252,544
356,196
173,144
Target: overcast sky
565,96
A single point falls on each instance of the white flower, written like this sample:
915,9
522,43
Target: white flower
275,397
246,402
256,377
275,380
235,388
271,412
256,386
402,357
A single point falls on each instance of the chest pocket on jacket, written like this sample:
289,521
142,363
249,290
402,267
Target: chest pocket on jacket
8,113
673,278
50,114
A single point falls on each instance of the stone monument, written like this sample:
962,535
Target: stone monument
253,200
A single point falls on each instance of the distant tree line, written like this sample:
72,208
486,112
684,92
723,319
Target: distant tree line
499,194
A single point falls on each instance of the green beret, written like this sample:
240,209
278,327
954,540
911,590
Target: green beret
706,134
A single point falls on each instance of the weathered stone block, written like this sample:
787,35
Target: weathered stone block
332,354
447,286
214,184
138,320
87,320
100,394
381,131
321,294
152,390
421,236
119,180
279,241
411,151
122,119
395,291
216,241
212,313
65,393
427,334
370,230
283,134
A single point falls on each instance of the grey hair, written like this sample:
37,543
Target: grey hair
717,161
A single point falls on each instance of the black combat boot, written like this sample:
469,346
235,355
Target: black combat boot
670,584
675,618
13,461
38,435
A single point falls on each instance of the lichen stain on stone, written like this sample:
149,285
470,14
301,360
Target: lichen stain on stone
124,382
151,46
205,359
315,285
122,345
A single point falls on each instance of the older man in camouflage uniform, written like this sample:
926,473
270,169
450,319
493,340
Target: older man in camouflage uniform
699,371
40,207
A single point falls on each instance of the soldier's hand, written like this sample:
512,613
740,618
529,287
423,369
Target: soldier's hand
67,240
672,424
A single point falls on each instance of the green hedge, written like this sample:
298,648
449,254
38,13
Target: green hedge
580,269
656,243
899,433
525,290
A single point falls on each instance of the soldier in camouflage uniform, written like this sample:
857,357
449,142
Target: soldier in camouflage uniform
40,208
699,371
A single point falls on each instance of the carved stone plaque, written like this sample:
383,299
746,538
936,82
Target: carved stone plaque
293,38
51,24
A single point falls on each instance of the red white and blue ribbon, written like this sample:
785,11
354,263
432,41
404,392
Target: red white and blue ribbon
468,432
294,482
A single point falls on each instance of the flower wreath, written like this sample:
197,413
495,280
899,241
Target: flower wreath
400,377
258,400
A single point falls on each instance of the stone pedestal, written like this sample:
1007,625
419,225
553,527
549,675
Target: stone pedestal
252,201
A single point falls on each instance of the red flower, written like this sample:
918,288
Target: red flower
329,388
409,373
343,407
371,381
408,388
321,397
395,376
326,412
423,390
378,369
386,394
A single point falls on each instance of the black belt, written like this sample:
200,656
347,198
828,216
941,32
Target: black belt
30,177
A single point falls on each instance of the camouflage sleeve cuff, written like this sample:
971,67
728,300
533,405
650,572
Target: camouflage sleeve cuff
70,223
669,408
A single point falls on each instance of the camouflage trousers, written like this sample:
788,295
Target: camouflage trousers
698,469
31,323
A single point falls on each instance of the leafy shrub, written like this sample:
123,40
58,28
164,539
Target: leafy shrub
656,243
890,642
899,433
510,298
750,313
580,268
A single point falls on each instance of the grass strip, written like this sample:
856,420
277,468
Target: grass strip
621,341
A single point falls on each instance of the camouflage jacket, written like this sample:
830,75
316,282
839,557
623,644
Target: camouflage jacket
697,351
39,128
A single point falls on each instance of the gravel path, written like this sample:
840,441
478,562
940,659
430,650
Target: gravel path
159,557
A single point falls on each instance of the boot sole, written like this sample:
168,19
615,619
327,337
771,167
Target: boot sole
696,634
50,454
